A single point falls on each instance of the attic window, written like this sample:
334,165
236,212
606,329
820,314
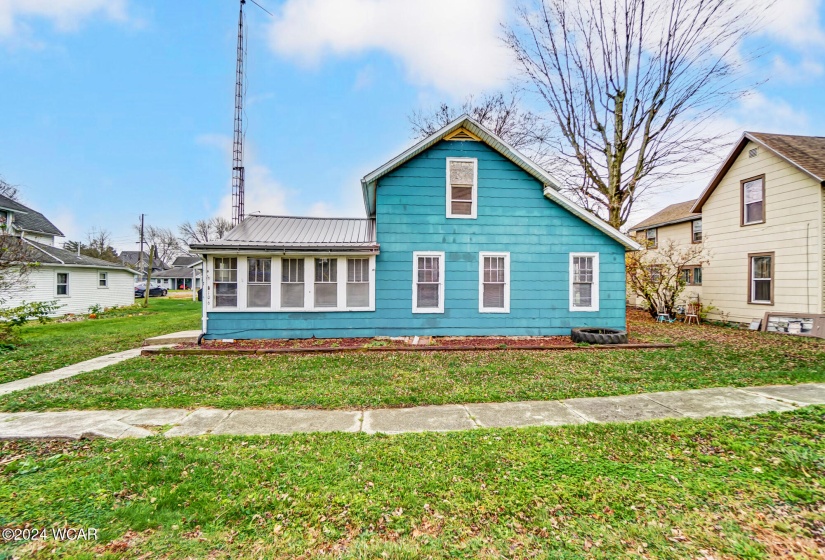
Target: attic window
462,179
753,152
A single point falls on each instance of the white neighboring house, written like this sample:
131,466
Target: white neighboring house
76,282
185,270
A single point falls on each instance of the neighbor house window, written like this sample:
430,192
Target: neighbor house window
686,276
226,281
326,282
462,180
696,226
292,283
103,279
753,201
650,237
494,282
584,281
259,283
428,282
358,282
62,283
697,276
761,267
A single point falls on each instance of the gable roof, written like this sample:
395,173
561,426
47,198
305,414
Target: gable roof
177,272
673,214
132,258
26,219
46,254
370,181
294,233
807,153
186,260
552,185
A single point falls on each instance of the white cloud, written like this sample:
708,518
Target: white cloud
65,15
796,23
452,45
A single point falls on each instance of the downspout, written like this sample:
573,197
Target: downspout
807,266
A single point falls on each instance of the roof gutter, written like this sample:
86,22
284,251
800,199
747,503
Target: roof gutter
372,249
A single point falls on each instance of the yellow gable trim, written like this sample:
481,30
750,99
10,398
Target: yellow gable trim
462,134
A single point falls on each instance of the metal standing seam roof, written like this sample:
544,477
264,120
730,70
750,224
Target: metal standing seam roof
286,232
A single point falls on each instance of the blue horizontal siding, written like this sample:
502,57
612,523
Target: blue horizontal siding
513,216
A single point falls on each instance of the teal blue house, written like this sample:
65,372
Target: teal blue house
464,237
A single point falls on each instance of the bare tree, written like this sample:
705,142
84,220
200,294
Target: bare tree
97,245
503,114
204,231
16,262
632,86
166,243
9,191
655,274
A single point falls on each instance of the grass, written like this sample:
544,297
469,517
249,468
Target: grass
706,356
54,345
715,488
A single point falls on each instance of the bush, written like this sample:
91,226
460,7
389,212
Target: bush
13,318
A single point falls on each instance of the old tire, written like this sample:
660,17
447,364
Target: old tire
593,335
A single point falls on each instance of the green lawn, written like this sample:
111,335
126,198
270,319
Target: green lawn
708,357
54,345
715,488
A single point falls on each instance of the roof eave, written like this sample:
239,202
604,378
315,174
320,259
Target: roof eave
640,227
280,248
595,221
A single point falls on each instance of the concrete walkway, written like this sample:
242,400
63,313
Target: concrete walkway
75,369
699,403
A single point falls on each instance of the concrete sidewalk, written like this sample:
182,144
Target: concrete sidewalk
75,369
700,403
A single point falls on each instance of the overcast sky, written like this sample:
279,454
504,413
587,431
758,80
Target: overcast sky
111,108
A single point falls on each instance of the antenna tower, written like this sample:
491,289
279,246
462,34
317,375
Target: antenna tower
237,141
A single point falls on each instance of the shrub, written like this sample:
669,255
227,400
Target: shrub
13,318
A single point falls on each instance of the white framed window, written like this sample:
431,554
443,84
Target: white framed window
63,283
292,283
102,279
753,201
493,282
226,281
326,282
259,282
358,282
462,187
584,281
428,282
761,273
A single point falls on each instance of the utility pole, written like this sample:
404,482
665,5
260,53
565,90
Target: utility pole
148,277
140,255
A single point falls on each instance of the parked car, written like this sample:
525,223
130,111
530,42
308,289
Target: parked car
154,291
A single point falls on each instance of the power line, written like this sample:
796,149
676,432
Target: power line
261,7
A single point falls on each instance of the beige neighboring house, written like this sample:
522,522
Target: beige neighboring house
764,219
676,223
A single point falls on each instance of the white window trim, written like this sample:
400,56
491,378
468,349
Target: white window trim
309,285
595,293
754,279
246,283
448,194
481,308
105,277
240,301
442,288
68,284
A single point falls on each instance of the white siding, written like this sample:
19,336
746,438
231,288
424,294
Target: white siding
83,289
792,230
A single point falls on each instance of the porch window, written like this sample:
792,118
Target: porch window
462,179
226,281
102,279
753,201
292,283
326,282
428,282
358,282
62,283
696,231
259,283
761,278
494,277
584,281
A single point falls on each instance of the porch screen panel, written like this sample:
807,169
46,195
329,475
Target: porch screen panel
292,283
226,281
326,282
358,282
259,283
